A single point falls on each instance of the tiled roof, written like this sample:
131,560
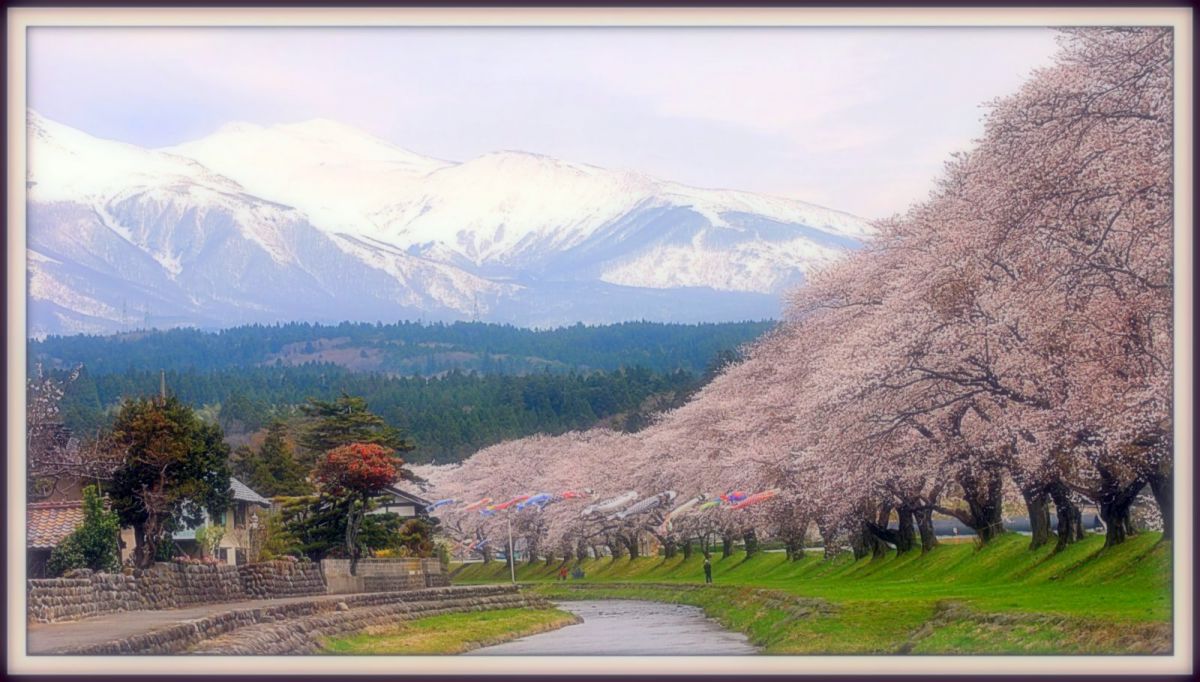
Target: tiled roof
242,492
400,493
51,522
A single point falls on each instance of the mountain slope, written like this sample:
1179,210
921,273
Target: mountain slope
320,222
517,214
120,235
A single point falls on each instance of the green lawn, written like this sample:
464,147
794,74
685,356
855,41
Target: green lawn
1002,598
451,633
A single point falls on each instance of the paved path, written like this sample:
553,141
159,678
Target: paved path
45,637
629,628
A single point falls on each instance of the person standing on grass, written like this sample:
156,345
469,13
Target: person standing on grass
707,570
562,572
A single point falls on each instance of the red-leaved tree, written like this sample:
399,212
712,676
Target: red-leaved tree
358,471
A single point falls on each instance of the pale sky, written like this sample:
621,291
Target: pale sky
855,119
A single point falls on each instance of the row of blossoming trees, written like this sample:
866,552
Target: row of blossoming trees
1008,339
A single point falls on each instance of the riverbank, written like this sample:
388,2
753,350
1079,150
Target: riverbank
1002,598
453,633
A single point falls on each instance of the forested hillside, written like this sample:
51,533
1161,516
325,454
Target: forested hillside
403,348
453,388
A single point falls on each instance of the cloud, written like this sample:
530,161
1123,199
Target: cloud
860,116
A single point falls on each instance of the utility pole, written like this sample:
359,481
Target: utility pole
512,561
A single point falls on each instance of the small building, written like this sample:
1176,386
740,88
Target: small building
239,520
401,502
48,523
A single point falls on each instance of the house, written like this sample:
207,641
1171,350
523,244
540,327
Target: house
48,523
238,522
400,502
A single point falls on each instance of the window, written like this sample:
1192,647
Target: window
239,515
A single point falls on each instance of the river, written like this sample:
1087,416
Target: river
629,628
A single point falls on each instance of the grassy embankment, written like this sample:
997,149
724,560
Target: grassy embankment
451,633
957,599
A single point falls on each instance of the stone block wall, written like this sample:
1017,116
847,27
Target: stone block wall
83,594
393,583
281,578
168,586
300,627
306,634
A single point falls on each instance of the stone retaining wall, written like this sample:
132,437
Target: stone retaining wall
393,583
305,635
281,579
168,586
172,585
300,627
82,595
383,575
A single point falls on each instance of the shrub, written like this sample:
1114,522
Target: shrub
92,545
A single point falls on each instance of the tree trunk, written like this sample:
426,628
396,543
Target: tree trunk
353,524
143,553
631,543
828,539
925,528
670,547
1069,516
794,541
726,546
1038,507
903,538
867,541
1113,514
983,493
687,549
1115,502
907,537
1161,485
616,548
487,554
795,547
750,540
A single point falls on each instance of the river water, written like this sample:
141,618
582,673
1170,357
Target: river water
629,628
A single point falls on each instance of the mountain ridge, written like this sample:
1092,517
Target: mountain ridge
320,221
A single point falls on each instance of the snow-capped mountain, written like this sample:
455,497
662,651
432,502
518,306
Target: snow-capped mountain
515,213
319,221
121,236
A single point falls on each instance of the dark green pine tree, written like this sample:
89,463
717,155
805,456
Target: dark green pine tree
273,470
346,420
